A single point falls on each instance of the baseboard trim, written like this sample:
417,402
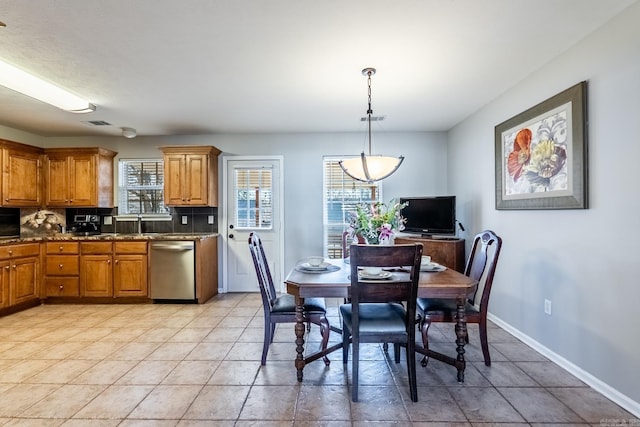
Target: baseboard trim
603,388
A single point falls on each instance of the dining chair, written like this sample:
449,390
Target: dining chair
482,261
375,314
282,308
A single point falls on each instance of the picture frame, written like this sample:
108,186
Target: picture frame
541,154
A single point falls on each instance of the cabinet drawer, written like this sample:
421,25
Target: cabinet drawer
62,247
96,248
14,251
131,247
62,287
62,265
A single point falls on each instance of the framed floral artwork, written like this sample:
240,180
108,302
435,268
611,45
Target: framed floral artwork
541,154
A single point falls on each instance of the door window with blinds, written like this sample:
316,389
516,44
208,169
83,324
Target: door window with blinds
141,187
254,198
341,195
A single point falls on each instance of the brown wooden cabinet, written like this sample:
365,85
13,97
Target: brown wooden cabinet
190,175
61,269
20,275
21,175
448,252
130,269
113,269
79,177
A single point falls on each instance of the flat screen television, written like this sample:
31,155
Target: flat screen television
430,215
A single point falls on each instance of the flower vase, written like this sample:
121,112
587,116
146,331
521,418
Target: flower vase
386,241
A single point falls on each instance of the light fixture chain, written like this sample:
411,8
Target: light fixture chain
370,110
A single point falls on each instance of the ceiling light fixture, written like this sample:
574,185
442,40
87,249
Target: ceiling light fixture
129,132
27,84
370,168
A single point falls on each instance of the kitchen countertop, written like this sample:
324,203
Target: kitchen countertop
108,236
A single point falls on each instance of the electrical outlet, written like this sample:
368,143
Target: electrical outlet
547,307
184,220
210,219
108,220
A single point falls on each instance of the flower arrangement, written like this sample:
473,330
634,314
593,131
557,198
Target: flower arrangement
378,222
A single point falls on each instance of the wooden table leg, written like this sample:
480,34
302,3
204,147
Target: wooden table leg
299,330
461,338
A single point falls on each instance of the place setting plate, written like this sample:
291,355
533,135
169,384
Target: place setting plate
325,267
432,267
384,275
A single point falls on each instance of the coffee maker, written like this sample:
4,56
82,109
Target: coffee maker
85,225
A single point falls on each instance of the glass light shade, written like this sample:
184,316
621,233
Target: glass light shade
20,81
370,168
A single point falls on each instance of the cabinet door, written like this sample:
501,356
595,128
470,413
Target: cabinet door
57,182
96,276
130,275
197,188
173,179
5,268
21,184
24,280
82,181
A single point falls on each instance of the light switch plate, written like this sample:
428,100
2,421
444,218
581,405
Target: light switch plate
184,220
108,220
210,219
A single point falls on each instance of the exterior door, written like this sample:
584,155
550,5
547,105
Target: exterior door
253,192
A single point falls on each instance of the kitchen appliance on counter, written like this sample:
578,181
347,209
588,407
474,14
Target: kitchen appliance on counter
85,225
172,271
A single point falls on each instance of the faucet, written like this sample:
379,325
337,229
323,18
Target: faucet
139,224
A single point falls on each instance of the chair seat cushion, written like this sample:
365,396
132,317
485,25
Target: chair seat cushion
376,317
287,304
441,305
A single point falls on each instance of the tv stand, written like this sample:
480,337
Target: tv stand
445,250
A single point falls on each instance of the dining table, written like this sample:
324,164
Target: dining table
335,282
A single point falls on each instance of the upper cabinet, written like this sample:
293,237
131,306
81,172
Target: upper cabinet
21,175
190,175
79,177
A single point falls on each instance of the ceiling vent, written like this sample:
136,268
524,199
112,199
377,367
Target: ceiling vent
98,123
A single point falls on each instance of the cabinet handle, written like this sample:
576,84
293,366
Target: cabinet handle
60,248
10,252
6,267
61,287
116,261
14,266
60,266
109,261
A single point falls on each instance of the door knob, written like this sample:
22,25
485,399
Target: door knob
231,236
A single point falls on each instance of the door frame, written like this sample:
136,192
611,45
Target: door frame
223,220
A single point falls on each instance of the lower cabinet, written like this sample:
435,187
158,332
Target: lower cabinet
19,273
113,269
61,269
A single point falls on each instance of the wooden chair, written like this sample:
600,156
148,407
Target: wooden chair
282,308
374,315
483,258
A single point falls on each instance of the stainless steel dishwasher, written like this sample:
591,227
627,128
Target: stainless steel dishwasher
172,271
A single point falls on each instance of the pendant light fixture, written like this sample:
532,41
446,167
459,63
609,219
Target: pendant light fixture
370,168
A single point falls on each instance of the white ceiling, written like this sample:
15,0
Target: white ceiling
173,67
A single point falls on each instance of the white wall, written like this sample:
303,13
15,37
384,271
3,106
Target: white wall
584,261
423,171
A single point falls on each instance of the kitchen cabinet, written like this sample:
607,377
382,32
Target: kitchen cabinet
20,277
130,269
448,251
190,175
113,269
61,269
21,175
79,177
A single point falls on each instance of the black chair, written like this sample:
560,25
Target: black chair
282,308
482,260
374,314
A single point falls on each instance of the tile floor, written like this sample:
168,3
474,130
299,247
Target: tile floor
198,365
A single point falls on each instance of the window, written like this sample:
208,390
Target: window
254,198
141,187
341,195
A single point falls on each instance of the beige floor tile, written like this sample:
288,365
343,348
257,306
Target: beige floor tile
134,351
148,372
234,373
592,406
23,370
157,333
484,404
220,334
24,350
210,351
64,402
105,372
59,350
378,403
172,351
270,403
435,404
166,402
20,397
115,402
324,403
90,423
97,350
125,334
62,372
192,372
218,402
91,334
190,335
